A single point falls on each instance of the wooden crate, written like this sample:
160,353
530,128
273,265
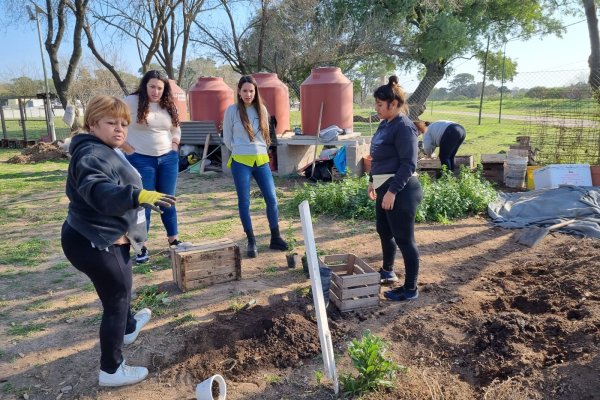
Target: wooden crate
206,263
434,163
493,158
354,284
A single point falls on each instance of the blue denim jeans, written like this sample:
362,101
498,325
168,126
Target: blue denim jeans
159,173
264,178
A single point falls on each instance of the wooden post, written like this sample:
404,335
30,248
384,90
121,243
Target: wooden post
4,133
22,113
317,141
204,153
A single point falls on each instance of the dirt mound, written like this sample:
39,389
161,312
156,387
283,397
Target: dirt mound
239,345
38,153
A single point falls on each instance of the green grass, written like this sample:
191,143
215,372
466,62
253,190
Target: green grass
213,230
183,320
39,304
150,297
36,128
26,253
25,329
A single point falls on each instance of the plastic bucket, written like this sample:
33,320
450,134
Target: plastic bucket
204,390
530,183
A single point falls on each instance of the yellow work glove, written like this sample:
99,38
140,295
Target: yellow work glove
151,199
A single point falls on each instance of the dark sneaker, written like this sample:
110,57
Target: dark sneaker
251,250
142,256
175,243
401,294
387,276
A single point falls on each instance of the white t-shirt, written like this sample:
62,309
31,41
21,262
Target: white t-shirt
155,137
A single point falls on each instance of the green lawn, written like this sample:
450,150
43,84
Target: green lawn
36,128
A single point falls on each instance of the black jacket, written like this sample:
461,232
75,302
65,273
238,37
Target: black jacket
394,151
103,190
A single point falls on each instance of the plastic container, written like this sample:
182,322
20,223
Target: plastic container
530,183
209,98
204,390
551,176
328,86
276,97
179,97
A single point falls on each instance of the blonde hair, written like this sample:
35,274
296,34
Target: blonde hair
101,106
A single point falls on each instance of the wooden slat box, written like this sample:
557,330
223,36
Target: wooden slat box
434,163
354,284
206,263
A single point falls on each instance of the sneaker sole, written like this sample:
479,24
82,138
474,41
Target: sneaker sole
121,384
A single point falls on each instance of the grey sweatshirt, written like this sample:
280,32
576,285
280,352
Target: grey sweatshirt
235,136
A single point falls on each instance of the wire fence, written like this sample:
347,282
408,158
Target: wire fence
557,109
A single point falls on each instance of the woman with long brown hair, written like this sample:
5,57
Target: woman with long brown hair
152,146
246,135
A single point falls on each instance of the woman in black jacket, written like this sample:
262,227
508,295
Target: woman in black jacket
395,187
104,220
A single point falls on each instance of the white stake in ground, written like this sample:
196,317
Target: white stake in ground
317,292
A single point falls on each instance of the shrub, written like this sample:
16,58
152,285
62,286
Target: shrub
445,199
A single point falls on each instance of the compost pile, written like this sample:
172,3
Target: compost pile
38,153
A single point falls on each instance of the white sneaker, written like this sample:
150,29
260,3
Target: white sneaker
125,375
142,317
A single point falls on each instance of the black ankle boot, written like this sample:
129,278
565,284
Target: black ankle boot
251,250
277,243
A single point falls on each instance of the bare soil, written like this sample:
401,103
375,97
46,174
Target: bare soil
494,319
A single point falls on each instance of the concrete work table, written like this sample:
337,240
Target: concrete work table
295,152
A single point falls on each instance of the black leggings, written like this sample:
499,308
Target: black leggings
452,138
396,227
110,272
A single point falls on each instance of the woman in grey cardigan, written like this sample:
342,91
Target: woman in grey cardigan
246,135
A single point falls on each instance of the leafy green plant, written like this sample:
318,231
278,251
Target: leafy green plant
444,200
451,197
290,239
318,376
374,369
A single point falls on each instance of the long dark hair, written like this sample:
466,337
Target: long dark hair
258,104
166,101
392,91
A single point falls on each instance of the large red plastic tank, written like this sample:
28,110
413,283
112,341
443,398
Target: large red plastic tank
180,100
209,98
330,86
276,97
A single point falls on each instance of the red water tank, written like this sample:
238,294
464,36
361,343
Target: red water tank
276,97
180,100
328,86
209,98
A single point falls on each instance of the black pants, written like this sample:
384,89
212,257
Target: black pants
453,137
110,272
396,227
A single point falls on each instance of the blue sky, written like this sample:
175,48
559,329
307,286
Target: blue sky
547,61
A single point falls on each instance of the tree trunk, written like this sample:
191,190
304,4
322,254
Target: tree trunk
434,73
594,59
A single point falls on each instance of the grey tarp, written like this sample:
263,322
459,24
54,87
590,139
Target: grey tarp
546,207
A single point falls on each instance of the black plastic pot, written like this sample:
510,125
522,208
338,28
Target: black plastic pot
292,260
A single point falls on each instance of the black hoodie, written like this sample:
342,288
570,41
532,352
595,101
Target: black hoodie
103,190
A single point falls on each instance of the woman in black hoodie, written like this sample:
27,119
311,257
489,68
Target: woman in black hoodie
104,220
395,187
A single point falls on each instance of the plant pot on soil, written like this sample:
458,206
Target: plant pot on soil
292,260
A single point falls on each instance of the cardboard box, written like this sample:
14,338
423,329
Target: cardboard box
354,284
206,263
551,176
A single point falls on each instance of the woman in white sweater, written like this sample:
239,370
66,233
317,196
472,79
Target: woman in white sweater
246,135
152,145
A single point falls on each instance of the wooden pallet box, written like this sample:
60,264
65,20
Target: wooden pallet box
434,163
206,263
354,284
